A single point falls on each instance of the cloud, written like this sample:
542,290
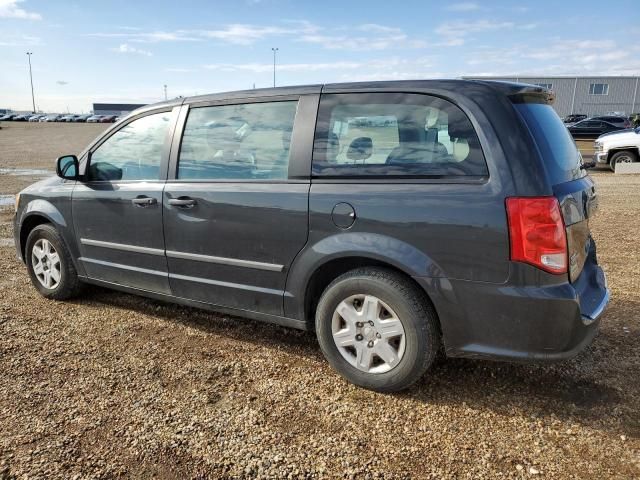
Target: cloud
380,65
285,67
21,41
178,70
555,57
125,48
10,9
62,82
149,37
463,7
242,34
368,36
455,33
570,48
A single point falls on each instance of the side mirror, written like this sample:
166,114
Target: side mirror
67,167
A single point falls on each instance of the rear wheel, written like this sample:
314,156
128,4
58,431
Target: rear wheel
49,263
625,156
377,329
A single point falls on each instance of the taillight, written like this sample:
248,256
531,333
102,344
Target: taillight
537,233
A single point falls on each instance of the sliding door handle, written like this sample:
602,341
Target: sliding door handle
182,202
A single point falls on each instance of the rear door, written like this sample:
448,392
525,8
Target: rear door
117,210
236,203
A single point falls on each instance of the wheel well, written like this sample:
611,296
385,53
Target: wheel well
331,270
613,151
29,224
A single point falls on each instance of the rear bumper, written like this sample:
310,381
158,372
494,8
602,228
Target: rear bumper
520,323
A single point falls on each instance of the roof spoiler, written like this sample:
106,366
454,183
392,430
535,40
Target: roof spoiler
532,94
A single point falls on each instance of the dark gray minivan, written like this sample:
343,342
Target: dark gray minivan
394,218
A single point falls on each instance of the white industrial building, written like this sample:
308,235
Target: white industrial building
586,95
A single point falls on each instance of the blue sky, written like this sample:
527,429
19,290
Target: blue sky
112,50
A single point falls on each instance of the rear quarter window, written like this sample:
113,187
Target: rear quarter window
559,153
394,135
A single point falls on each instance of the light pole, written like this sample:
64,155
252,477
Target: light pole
274,49
33,98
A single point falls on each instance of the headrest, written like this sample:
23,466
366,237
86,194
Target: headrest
360,148
460,149
459,127
221,135
410,134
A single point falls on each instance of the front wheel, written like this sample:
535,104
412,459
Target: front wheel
49,263
377,329
625,156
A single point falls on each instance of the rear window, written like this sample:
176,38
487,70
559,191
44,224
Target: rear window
561,157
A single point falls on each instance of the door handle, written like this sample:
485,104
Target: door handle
182,202
144,201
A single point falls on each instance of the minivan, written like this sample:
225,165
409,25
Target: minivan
396,219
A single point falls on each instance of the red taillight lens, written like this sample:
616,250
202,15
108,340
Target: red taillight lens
536,233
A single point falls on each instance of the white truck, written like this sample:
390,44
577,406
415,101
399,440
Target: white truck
617,147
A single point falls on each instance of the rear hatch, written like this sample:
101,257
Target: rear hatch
573,188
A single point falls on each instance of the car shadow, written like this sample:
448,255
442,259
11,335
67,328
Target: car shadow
587,390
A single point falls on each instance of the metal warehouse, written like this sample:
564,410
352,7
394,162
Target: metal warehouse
586,95
115,108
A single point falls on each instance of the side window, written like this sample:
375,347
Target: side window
132,153
599,89
237,142
394,134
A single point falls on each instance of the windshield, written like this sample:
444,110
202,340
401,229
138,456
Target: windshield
561,157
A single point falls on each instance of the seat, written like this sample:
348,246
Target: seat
460,149
417,152
330,146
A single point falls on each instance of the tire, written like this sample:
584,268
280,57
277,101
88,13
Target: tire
398,300
624,156
65,283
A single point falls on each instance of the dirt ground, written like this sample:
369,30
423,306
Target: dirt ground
113,385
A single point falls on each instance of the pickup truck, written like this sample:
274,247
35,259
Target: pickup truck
618,147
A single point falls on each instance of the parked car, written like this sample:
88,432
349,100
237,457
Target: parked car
22,117
396,243
618,121
68,118
591,128
53,117
81,118
36,117
574,118
107,119
94,119
618,147
7,117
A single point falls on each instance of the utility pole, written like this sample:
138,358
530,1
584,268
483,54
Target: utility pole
274,49
33,98
165,92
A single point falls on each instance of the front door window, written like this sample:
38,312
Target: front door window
132,153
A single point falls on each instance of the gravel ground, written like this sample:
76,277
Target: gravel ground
113,385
